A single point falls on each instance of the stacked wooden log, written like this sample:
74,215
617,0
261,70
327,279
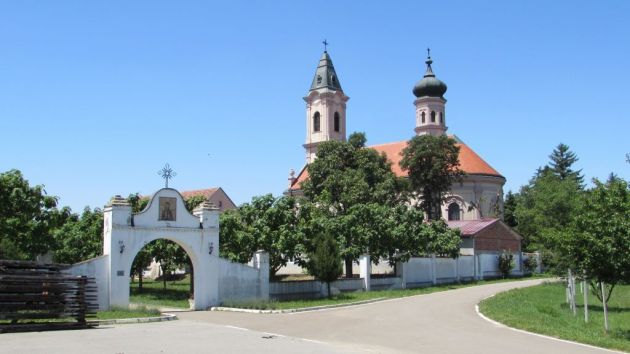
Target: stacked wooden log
36,297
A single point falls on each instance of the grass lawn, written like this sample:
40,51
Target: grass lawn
154,295
542,309
116,313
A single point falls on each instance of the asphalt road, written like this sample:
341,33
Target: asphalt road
444,322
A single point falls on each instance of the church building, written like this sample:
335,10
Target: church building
471,203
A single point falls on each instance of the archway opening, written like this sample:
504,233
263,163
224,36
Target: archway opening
162,275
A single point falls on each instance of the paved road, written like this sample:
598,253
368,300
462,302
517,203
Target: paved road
443,322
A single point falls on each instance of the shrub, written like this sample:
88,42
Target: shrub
530,264
506,263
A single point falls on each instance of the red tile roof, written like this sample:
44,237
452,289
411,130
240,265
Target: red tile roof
204,192
469,161
470,228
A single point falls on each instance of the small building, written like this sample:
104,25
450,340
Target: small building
488,235
216,196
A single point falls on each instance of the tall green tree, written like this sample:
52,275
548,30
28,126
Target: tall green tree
562,160
509,209
80,238
546,206
266,223
432,163
28,217
347,182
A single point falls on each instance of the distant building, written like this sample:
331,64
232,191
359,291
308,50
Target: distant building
216,196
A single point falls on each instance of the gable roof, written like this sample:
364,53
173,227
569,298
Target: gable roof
469,161
470,228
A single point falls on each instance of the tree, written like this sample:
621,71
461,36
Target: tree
598,242
596,246
347,182
509,209
80,238
266,223
432,163
142,260
325,261
27,218
561,161
545,206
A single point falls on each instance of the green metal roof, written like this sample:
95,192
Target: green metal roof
325,75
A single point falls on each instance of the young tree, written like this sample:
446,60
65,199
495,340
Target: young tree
432,163
325,261
347,181
596,246
143,259
27,218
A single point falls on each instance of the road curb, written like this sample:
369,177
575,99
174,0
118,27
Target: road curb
163,318
314,308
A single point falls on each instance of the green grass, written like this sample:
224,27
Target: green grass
349,297
542,309
153,294
117,313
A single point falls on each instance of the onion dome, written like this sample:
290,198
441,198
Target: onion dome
429,85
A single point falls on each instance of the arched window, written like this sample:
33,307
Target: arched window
336,121
423,117
441,118
316,122
453,211
432,116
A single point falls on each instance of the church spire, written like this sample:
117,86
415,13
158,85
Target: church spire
325,107
325,75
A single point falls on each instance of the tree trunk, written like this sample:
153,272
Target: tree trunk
348,267
328,283
605,307
139,279
585,289
163,278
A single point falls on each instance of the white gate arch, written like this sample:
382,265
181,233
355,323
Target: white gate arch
165,217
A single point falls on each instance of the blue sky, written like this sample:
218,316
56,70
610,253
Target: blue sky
95,97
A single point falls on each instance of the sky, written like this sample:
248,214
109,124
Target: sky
95,97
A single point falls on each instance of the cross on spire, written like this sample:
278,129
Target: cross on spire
325,44
167,173
429,53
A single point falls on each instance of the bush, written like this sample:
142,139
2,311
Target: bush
530,265
506,263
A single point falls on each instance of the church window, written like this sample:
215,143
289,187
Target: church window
316,122
336,121
453,211
319,79
441,118
423,117
432,116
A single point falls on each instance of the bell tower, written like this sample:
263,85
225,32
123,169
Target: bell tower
325,108
430,103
